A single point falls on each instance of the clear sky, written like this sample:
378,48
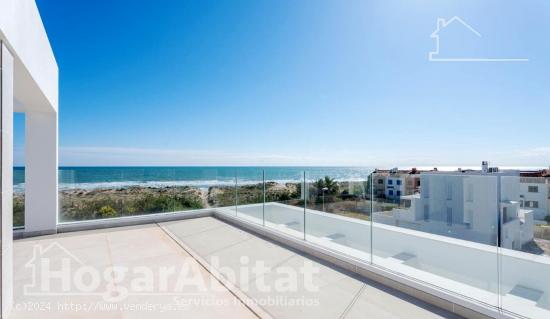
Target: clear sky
308,82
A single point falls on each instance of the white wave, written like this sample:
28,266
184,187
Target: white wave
20,188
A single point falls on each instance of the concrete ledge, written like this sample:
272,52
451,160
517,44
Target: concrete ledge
25,234
426,292
132,220
116,222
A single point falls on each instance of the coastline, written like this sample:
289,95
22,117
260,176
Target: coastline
76,204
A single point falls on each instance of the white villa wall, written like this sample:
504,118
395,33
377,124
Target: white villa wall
6,218
30,70
36,70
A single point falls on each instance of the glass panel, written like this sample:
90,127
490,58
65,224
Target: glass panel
525,244
338,210
223,194
441,230
18,197
284,200
250,194
18,170
88,193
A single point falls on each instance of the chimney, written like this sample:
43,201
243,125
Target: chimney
484,167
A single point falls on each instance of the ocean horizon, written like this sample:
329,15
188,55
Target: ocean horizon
106,177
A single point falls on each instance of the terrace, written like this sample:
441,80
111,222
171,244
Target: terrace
194,244
245,255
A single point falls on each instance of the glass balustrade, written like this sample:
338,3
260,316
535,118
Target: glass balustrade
338,212
483,236
284,201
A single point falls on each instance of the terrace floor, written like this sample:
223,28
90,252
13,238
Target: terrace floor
197,268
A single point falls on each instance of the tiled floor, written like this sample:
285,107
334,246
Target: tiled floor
333,293
142,253
142,272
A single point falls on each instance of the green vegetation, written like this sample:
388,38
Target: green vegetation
253,194
97,204
107,212
18,210
327,183
342,198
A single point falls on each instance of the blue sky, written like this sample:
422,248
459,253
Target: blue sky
306,82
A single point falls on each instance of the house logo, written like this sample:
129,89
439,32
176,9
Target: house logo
470,34
43,272
55,271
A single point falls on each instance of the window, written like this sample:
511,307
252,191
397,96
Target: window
398,182
426,212
521,204
380,181
398,193
531,204
533,189
449,216
449,191
390,181
390,192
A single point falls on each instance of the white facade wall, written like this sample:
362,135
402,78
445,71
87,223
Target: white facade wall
540,197
6,156
395,186
30,85
467,206
36,70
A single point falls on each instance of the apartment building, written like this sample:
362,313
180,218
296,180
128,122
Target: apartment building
394,183
535,193
468,205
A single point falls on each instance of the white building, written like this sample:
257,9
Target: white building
468,205
535,196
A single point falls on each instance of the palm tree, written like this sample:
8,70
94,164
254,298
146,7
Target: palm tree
329,185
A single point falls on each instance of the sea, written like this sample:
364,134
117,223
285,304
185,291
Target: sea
90,178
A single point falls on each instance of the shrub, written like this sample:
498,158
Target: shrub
107,212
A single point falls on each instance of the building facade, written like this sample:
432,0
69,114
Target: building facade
393,184
535,193
481,206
